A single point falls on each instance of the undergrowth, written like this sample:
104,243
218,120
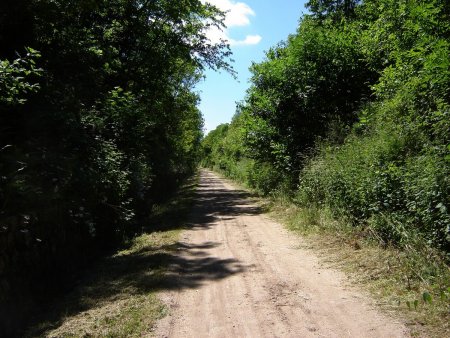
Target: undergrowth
117,296
413,280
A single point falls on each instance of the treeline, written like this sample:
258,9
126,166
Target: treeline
352,114
98,122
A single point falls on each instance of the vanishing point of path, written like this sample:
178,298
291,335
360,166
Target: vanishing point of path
240,274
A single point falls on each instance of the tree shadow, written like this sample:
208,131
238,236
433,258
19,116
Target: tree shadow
213,202
148,270
178,266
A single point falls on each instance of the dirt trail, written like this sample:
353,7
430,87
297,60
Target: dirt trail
240,274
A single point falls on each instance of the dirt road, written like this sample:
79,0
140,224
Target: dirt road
240,274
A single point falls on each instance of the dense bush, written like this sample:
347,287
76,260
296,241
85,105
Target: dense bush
352,114
98,122
369,180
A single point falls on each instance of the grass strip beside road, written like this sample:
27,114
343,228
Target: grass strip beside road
412,282
117,296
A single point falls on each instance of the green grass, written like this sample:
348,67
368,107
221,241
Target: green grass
399,279
117,297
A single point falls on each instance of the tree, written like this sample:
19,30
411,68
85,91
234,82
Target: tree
335,9
113,129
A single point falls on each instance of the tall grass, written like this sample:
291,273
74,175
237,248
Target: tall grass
382,181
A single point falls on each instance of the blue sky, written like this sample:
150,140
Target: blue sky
253,27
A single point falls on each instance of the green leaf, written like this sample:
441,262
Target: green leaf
427,298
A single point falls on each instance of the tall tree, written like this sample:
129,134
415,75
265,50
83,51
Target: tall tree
98,122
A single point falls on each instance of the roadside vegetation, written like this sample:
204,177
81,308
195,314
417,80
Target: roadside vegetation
347,121
116,296
98,124
406,281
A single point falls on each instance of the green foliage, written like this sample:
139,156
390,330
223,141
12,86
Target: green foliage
369,180
14,77
395,176
101,123
115,113
352,113
314,81
332,9
264,178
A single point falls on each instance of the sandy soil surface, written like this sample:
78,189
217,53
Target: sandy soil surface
240,274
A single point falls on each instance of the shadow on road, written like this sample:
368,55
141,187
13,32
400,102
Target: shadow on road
157,267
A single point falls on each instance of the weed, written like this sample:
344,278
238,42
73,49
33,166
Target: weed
412,281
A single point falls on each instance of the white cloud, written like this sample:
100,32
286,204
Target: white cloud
237,15
249,40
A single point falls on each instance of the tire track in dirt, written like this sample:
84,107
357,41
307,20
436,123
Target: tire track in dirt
240,274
